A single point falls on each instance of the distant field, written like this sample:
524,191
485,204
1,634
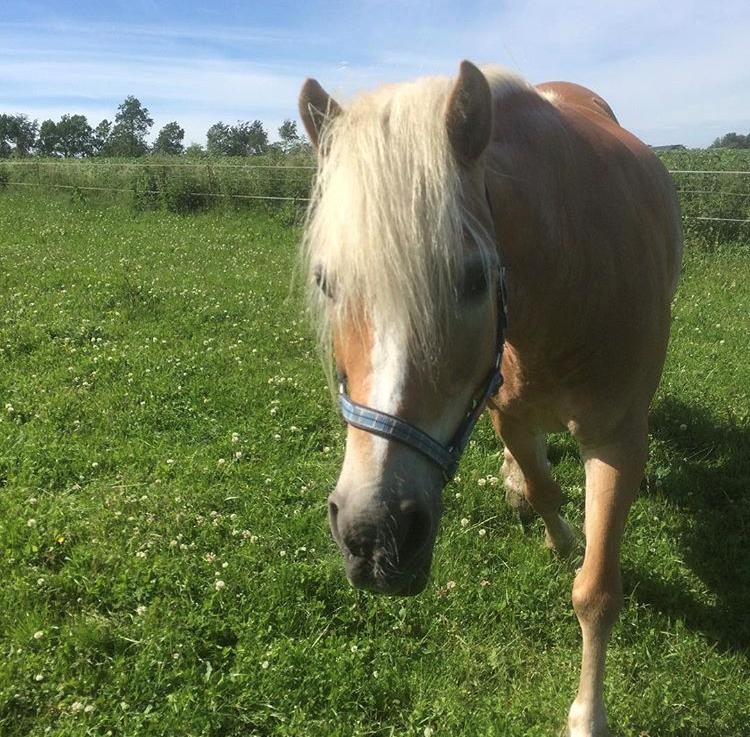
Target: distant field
166,447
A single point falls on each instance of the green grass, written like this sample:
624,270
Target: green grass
140,353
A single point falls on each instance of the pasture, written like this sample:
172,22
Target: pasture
167,442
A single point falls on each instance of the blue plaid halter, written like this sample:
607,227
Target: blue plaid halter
445,457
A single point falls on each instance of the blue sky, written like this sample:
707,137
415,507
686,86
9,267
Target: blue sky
674,72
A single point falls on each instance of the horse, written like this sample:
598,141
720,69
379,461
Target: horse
481,243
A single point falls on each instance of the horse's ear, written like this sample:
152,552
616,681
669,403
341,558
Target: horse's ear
316,108
468,115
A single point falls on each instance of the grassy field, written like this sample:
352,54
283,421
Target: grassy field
166,446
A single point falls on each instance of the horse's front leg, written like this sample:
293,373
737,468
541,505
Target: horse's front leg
529,483
613,474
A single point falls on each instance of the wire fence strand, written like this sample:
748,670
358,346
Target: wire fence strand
156,191
304,167
156,164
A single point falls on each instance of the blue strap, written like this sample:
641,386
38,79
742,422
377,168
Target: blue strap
392,428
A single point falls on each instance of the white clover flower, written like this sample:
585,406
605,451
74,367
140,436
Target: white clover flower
140,610
219,584
464,522
482,532
38,635
31,523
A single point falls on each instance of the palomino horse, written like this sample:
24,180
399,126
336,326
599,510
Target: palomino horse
426,194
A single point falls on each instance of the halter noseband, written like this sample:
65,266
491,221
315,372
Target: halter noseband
445,457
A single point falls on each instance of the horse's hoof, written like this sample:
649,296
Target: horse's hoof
562,538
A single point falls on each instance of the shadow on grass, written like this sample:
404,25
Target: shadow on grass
703,468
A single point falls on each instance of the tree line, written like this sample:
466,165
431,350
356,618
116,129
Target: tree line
73,137
732,140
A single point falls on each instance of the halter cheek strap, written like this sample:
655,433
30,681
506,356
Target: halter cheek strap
445,457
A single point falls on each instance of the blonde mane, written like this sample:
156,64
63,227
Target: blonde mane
388,215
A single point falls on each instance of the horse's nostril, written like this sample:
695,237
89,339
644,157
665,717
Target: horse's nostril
360,541
417,526
333,519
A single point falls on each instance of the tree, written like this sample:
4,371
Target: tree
100,137
169,140
241,139
218,139
194,150
48,140
289,138
74,136
71,136
132,124
255,138
17,135
732,140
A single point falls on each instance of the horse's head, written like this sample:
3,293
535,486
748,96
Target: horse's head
403,267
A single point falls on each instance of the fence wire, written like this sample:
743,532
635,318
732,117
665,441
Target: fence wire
306,167
156,191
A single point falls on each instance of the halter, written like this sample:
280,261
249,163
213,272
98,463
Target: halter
445,457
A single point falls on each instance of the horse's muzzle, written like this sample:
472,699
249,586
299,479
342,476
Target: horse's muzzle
387,548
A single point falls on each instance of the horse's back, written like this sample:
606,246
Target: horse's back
576,94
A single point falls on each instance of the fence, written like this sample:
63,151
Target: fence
713,200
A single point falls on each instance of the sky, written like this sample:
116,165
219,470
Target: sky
673,71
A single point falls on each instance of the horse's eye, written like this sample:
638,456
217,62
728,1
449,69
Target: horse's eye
474,283
321,279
